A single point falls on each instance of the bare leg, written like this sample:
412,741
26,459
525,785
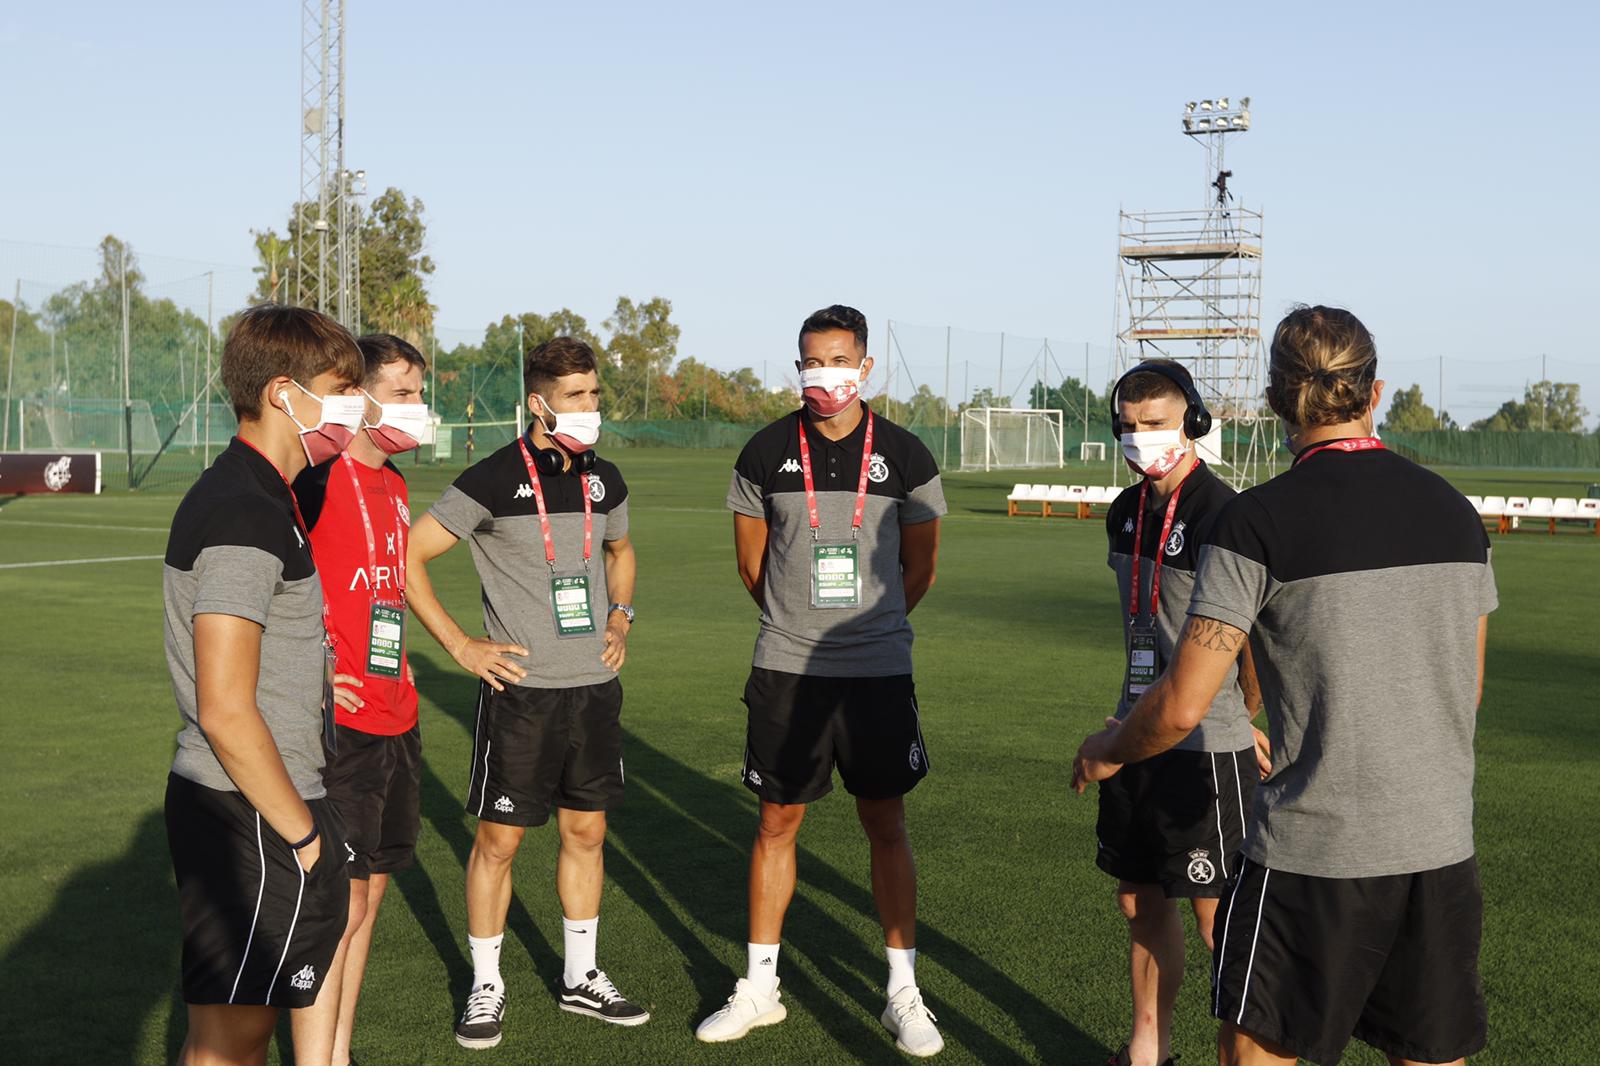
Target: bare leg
1205,921
489,877
1235,1047
894,871
772,869
365,896
580,865
1155,962
223,1035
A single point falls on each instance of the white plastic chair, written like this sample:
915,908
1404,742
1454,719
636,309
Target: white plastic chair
1492,506
1476,502
1021,494
1540,507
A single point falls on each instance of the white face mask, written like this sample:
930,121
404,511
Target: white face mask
1155,453
400,426
827,390
576,431
338,419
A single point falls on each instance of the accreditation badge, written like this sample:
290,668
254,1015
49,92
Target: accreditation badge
835,575
386,639
1143,658
569,600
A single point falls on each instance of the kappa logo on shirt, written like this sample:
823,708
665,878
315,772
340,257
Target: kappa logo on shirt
790,466
524,490
1127,527
877,469
305,980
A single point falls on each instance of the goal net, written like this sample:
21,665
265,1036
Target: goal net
1000,437
1092,451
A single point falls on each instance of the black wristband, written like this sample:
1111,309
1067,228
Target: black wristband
309,837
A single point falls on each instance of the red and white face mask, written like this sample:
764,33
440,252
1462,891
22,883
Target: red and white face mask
1154,453
827,390
400,426
338,418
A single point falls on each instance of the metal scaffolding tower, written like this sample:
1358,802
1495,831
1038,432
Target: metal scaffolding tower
1189,289
327,263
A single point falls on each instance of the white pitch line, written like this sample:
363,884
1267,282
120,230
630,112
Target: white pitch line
79,562
81,525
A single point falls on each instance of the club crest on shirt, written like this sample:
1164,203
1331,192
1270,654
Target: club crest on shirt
1175,542
597,490
877,469
1201,872
405,512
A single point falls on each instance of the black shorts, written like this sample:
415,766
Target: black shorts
256,929
1177,820
1309,962
801,726
538,748
376,783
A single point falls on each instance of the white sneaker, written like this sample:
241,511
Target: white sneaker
911,1022
745,1010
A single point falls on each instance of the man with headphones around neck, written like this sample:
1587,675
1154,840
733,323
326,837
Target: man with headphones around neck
547,521
1170,827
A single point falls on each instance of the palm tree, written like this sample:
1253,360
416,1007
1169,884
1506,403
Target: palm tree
403,309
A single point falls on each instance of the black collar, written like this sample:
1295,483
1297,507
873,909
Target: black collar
855,439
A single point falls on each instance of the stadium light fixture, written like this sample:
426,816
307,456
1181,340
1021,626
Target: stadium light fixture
1218,116
1222,104
1188,124
1205,105
1244,103
1188,108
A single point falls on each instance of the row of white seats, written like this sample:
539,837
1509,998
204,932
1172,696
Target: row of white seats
1063,494
1587,510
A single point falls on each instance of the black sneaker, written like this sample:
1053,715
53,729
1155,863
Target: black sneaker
479,1027
599,998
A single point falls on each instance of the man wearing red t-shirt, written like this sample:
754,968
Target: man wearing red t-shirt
356,507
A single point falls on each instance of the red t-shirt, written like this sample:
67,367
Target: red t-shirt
351,582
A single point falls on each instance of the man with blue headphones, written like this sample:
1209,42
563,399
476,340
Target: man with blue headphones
1170,827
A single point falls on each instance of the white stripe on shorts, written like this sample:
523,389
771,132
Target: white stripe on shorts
1244,994
260,891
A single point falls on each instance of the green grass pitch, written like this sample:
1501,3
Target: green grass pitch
1022,950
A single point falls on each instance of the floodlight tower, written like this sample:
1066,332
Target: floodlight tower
326,215
1189,288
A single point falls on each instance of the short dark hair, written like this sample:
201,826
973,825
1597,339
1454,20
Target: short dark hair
1148,384
381,349
837,316
272,340
556,358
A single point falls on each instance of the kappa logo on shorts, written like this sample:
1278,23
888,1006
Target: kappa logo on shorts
504,805
877,469
305,980
351,851
752,777
790,466
1175,542
1201,872
916,756
597,489
524,491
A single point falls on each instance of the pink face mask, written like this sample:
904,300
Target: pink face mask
400,426
339,418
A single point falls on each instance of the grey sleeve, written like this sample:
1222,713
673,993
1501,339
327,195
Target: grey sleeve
744,497
924,503
1488,594
1229,588
460,513
236,580
617,521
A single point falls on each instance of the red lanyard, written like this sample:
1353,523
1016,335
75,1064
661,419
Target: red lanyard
299,521
544,516
1354,444
861,483
366,524
1138,545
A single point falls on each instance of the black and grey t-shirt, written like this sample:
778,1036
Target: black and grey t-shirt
1360,578
873,639
236,549
1201,497
491,507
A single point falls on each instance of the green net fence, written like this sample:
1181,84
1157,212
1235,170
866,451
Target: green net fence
1526,449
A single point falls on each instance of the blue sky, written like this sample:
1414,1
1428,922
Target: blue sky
929,163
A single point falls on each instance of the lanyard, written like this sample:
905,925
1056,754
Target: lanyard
366,524
1354,444
861,483
1138,545
298,520
544,516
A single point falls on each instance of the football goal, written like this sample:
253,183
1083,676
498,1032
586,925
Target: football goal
996,438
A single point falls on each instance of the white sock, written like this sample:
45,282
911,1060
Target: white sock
902,969
485,960
762,967
579,938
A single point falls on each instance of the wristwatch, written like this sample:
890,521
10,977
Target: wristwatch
626,609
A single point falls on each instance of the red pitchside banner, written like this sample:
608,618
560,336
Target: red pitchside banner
22,472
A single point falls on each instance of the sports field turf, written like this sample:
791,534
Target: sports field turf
1022,950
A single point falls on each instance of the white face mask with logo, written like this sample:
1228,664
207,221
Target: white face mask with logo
576,431
1154,453
827,390
400,426
338,419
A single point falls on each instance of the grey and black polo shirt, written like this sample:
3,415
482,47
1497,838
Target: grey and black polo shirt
1360,578
1227,726
236,549
903,489
491,507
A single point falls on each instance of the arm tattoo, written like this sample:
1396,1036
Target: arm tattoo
1213,635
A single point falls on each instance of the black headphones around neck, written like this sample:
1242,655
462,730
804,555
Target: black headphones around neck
1196,419
553,461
